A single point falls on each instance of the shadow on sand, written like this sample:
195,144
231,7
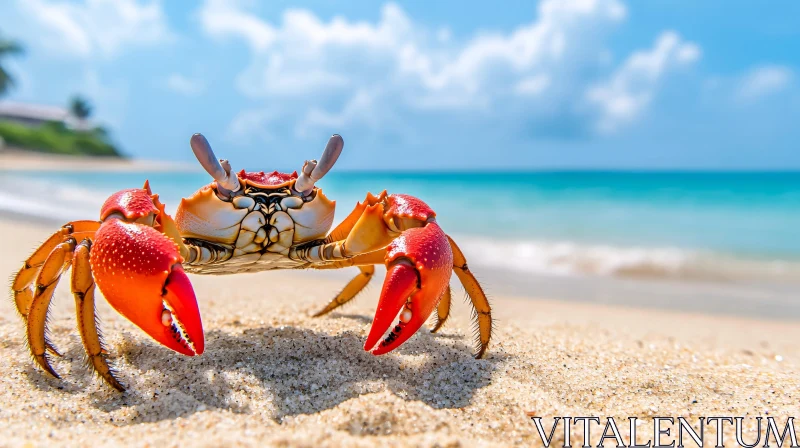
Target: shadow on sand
299,370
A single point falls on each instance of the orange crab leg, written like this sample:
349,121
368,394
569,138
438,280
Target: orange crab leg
46,282
480,303
350,290
442,310
23,294
366,264
83,290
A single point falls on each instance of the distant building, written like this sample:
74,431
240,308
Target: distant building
36,114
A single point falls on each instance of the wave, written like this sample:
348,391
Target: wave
57,201
570,258
52,200
49,201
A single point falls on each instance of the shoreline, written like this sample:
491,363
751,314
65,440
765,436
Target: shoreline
13,159
774,302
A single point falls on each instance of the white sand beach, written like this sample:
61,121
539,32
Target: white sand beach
12,159
272,375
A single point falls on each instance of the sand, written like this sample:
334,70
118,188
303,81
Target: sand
13,159
272,375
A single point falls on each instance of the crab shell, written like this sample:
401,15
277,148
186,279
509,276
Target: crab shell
243,224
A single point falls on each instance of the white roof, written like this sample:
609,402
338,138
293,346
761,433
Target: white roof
34,111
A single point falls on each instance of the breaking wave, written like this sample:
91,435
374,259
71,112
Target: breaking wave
569,258
48,201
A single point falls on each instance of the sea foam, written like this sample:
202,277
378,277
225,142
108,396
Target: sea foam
565,258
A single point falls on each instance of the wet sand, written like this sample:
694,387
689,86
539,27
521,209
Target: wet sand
272,375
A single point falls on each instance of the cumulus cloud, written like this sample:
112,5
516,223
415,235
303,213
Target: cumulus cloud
341,72
356,109
305,54
221,18
763,81
184,85
633,85
94,27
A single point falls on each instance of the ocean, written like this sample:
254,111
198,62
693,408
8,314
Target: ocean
725,228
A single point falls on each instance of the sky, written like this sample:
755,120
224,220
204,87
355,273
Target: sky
446,85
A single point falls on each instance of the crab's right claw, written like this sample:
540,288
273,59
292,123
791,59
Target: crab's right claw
139,271
419,264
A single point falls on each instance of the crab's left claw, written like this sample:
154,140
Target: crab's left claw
419,264
139,271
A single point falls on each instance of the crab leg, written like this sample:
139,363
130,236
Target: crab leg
23,294
355,286
366,264
480,303
83,288
46,282
442,310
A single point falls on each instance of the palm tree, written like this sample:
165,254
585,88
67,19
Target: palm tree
7,48
80,109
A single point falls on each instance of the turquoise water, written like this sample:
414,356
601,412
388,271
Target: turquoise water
678,224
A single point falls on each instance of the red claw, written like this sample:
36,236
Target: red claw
139,271
420,262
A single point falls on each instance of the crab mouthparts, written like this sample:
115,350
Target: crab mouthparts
176,328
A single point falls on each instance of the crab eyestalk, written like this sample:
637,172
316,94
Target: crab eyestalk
219,169
313,171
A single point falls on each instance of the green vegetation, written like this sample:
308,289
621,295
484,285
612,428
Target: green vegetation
54,137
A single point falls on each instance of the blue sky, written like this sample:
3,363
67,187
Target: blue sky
427,85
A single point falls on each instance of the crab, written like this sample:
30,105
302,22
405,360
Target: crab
247,222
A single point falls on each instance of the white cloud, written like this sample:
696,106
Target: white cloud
185,86
91,27
221,18
541,44
358,108
763,81
395,66
304,54
632,87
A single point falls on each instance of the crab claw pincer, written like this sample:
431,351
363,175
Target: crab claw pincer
139,271
419,264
